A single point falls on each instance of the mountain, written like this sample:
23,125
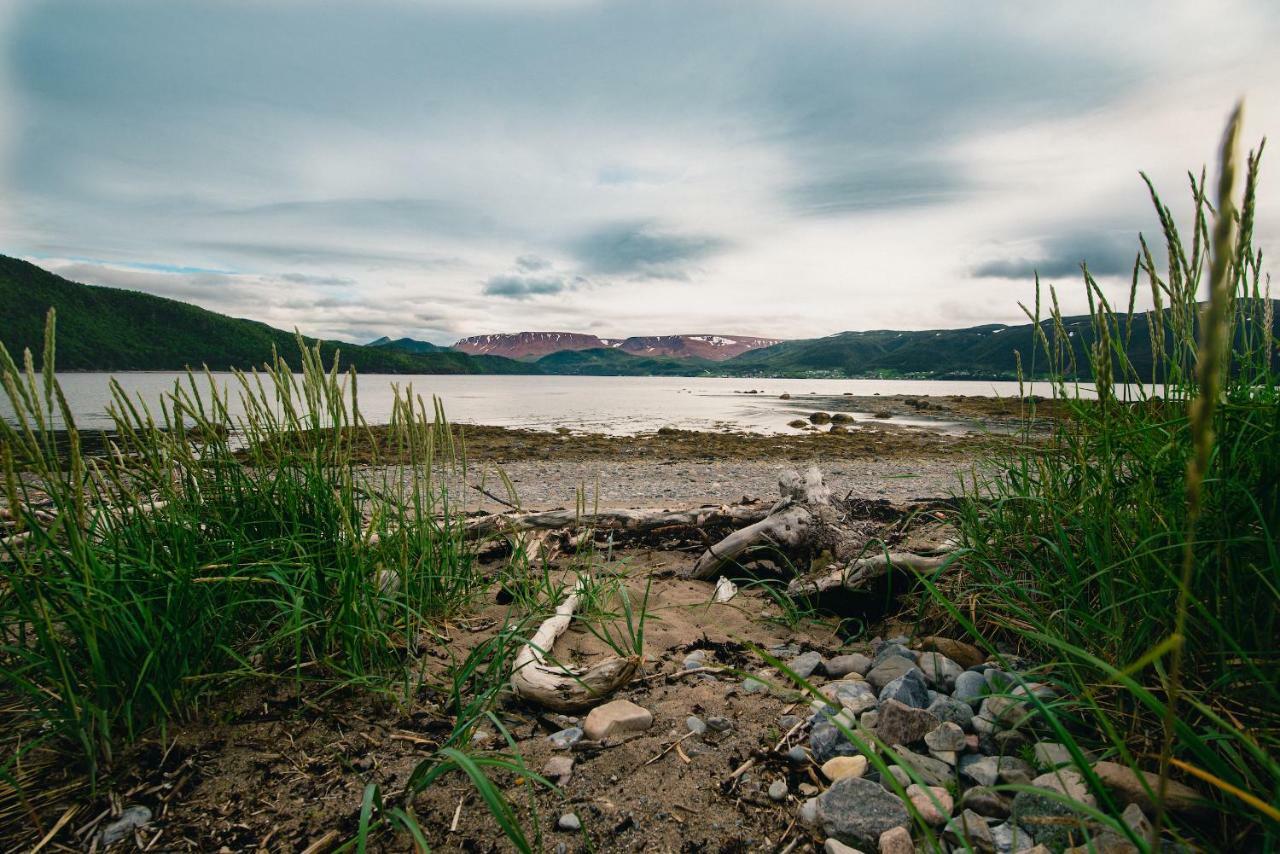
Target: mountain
613,362
408,345
535,345
107,329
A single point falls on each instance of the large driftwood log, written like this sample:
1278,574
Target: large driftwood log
559,687
621,520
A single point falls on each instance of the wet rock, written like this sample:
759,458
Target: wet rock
131,819
933,803
909,688
565,738
559,769
778,791
856,811
840,767
890,669
896,841
939,671
819,418
1009,838
926,768
972,830
950,709
964,654
616,718
946,736
970,687
842,665
803,665
900,723
987,802
569,822
1139,787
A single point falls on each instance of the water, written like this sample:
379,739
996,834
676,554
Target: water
616,405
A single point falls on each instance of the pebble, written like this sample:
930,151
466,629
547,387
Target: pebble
930,770
840,666
695,659
841,767
932,802
909,688
131,818
565,738
752,685
788,722
890,669
983,770
719,724
695,725
569,822
1069,782
559,769
797,756
1050,754
970,687
971,829
856,811
808,789
869,719
947,736
889,649
778,790
826,741
986,802
896,841
902,724
803,665
964,654
1009,838
939,671
617,717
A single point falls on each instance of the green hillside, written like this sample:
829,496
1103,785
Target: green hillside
107,329
408,345
605,361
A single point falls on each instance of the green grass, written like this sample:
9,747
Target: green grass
1138,550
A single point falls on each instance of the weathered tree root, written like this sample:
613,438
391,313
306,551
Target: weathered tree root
559,687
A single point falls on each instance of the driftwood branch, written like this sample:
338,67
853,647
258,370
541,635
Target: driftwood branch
855,574
617,520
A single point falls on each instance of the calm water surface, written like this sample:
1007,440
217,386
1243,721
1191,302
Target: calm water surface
619,405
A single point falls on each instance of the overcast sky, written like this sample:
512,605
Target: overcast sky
441,169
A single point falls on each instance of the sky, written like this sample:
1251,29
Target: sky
440,169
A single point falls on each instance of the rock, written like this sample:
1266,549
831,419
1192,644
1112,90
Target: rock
984,726
902,724
1066,781
565,738
719,725
930,770
1036,849
1052,823
797,756
1009,838
950,709
842,418
754,685
1006,712
569,822
819,418
893,647
798,423
778,791
1050,754
1136,819
1106,842
939,671
788,722
987,802
616,718
869,719
933,803
900,776
983,770
950,757
890,669
972,830
909,688
1009,742
896,841
808,789
695,724
559,769
840,767
857,697
1015,771
784,396
695,659
131,818
997,680
1130,788
964,654
970,687
835,846
808,814
842,665
946,736
803,665
827,741
856,811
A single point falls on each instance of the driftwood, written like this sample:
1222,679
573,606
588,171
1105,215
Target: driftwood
855,574
558,687
616,520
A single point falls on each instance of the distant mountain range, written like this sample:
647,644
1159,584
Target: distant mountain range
107,329
535,345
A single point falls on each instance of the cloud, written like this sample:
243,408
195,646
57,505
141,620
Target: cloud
516,286
1108,253
643,249
531,263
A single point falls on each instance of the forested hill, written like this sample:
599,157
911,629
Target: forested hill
108,329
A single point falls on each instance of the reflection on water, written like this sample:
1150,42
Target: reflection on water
618,405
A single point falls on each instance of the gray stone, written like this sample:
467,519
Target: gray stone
1052,823
797,756
950,709
932,772
986,802
719,724
983,725
1050,754
778,790
890,649
569,822
842,665
890,669
900,776
695,659
1009,742
857,697
565,738
970,687
856,811
1016,771
902,724
752,685
695,724
983,770
1069,782
997,680
1009,838
946,736
939,671
972,830
788,722
827,741
1006,712
559,769
803,665
909,688
808,814
131,818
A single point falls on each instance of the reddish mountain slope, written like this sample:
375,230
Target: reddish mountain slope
717,348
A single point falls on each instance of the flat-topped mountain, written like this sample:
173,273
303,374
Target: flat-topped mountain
535,345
